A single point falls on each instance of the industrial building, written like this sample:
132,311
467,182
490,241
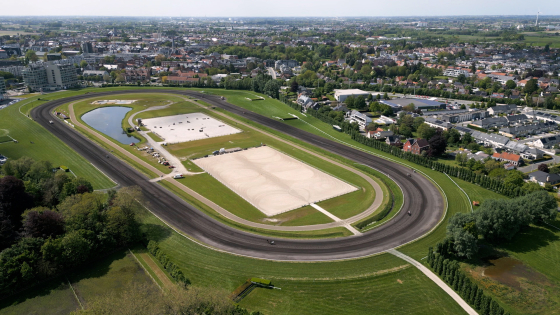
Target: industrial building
397,104
342,95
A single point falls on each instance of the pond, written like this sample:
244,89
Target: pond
108,120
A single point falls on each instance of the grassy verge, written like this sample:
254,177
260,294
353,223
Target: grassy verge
35,142
354,286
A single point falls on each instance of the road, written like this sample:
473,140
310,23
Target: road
271,72
421,197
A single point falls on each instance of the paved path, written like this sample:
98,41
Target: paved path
336,219
272,72
168,177
437,281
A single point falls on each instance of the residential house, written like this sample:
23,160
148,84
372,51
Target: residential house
393,141
416,146
543,178
492,122
508,157
502,109
547,142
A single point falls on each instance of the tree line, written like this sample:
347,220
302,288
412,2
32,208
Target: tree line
451,273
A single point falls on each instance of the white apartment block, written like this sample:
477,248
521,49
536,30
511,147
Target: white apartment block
50,76
456,72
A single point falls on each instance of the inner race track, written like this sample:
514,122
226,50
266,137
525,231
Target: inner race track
421,197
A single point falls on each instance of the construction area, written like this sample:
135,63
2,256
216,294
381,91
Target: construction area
188,127
271,181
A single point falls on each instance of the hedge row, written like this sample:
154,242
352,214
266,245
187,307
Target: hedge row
173,270
450,272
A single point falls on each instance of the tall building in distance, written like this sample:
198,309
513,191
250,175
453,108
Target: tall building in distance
87,48
2,88
52,75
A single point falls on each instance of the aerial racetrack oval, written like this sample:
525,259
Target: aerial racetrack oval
421,197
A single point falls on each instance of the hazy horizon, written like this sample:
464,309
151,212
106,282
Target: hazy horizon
288,8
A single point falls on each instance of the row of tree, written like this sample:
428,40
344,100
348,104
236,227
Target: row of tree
495,221
451,273
175,272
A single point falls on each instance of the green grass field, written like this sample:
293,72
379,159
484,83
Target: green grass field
45,146
110,274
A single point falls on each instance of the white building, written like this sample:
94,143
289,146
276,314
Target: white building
342,95
361,119
52,75
456,72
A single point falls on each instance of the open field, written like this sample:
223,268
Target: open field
271,181
35,142
108,275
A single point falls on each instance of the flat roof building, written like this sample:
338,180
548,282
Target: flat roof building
50,75
397,104
342,95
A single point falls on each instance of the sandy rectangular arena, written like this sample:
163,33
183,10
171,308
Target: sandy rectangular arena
272,181
188,127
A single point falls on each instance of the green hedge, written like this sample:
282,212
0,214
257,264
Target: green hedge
173,270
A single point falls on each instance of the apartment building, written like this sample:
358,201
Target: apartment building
2,88
50,75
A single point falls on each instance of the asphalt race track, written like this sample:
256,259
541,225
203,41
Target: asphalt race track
421,197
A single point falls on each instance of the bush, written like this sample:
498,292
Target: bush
174,271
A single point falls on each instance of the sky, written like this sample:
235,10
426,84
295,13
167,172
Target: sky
281,8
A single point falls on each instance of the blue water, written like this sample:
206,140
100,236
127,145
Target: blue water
108,120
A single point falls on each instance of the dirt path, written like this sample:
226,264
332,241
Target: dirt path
225,213
160,274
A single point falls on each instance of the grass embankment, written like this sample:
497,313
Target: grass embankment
109,275
376,284
36,142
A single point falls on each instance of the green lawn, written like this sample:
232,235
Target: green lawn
45,146
108,275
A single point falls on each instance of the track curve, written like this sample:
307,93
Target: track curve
421,197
